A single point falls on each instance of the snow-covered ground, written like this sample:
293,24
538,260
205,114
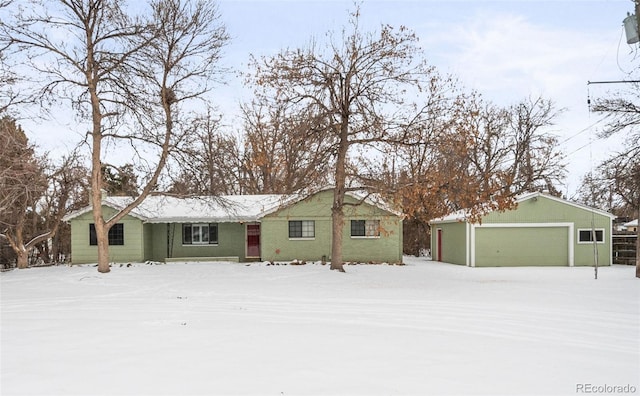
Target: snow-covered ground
221,328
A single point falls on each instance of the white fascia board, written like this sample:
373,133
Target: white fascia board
193,220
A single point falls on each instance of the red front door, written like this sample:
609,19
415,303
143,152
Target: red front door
253,240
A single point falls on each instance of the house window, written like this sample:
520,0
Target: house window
586,235
199,234
302,229
116,235
365,228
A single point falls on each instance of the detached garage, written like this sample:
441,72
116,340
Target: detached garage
542,230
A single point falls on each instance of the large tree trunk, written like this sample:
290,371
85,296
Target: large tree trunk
103,248
23,258
102,236
337,219
337,212
103,256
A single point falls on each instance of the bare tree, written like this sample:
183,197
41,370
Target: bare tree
622,115
359,88
128,76
209,163
7,77
21,171
596,191
535,162
283,153
34,193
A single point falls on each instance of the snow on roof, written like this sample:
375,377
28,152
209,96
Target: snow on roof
374,200
168,209
462,215
227,208
632,223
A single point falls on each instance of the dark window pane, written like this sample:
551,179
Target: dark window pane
295,229
587,236
93,238
213,234
357,228
186,234
116,235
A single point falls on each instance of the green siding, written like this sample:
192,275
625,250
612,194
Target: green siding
147,246
157,237
83,253
522,246
546,210
276,245
541,244
543,210
160,241
231,242
454,239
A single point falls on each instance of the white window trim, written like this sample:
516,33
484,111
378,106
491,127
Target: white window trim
590,229
200,226
199,244
303,238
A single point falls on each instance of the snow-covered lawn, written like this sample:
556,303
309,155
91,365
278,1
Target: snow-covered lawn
222,328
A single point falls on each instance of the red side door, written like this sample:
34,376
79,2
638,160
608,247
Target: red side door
439,245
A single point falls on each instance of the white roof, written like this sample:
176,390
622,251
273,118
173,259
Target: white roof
227,208
463,215
632,223
167,209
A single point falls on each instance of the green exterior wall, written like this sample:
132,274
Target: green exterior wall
155,241
546,210
522,246
454,238
161,241
231,242
277,246
513,243
83,253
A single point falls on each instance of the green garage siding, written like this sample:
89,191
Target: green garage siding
452,235
541,231
521,246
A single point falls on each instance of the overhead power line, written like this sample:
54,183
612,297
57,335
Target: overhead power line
613,82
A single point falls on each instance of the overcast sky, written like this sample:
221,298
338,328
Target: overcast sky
507,50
